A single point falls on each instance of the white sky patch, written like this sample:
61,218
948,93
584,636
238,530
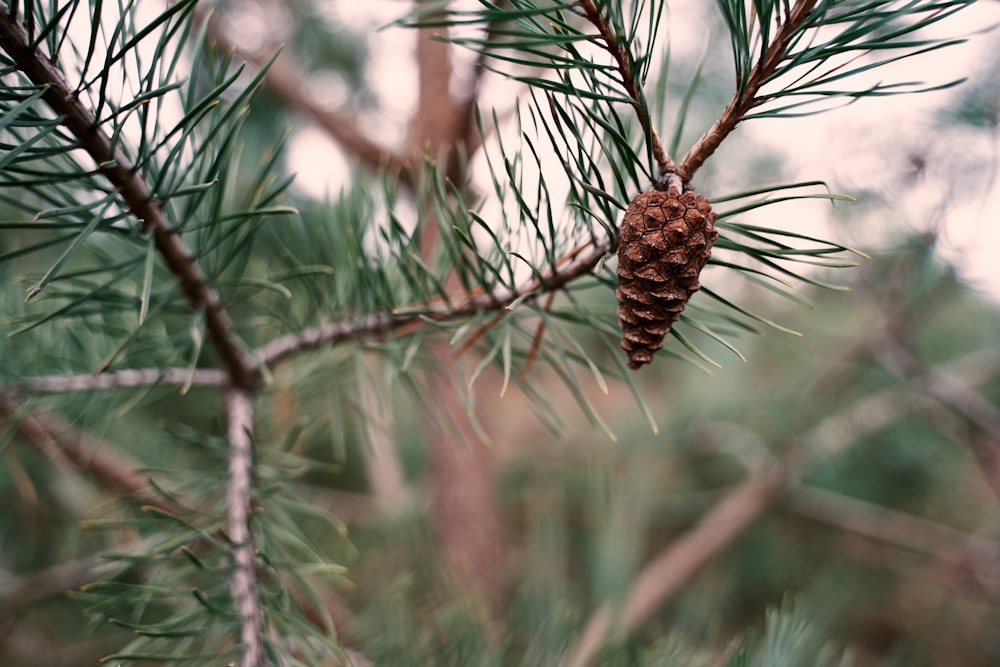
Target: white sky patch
866,146
316,177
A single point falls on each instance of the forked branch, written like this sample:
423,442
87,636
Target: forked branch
770,483
729,518
746,97
613,46
135,192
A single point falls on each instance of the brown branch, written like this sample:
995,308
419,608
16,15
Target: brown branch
113,164
729,518
883,524
463,512
536,342
466,113
746,96
242,375
461,492
286,81
982,418
477,335
735,512
664,162
575,263
130,378
239,488
109,467
19,593
434,130
434,126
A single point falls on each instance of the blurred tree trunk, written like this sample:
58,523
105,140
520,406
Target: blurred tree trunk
462,468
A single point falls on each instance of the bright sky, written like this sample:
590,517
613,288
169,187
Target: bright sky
865,146
858,147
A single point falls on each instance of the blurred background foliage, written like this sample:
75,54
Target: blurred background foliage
884,553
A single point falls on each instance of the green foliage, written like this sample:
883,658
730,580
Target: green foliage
583,112
833,43
173,591
523,230
182,136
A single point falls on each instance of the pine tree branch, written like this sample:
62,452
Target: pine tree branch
287,82
664,162
113,164
239,491
113,471
886,525
674,567
981,416
736,512
109,467
130,378
19,593
578,262
746,97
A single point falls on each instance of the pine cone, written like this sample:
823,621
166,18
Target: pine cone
666,238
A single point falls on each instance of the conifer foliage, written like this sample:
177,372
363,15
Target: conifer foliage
165,269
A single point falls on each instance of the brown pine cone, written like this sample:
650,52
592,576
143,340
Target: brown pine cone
666,238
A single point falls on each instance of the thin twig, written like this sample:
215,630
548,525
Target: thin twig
611,44
477,335
111,468
239,411
135,192
886,525
536,342
980,415
131,378
577,262
687,555
746,97
675,566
